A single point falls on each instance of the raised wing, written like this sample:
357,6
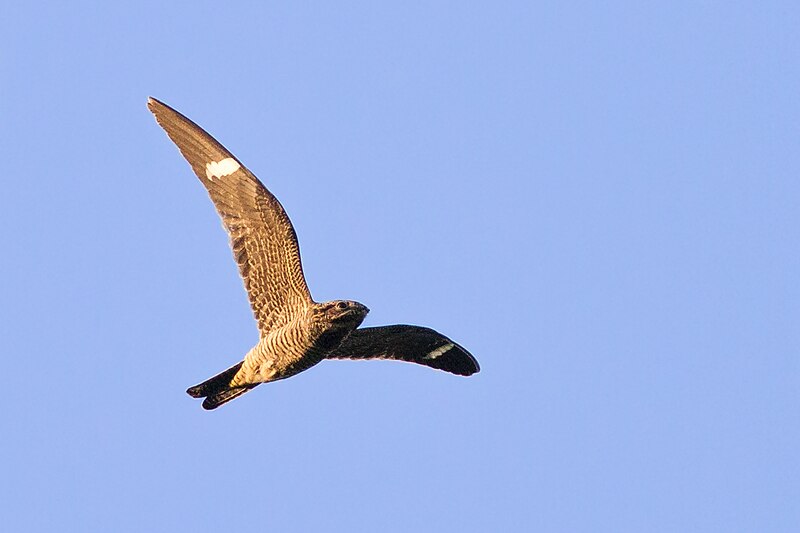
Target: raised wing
263,240
414,344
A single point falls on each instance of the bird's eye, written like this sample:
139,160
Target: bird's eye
341,305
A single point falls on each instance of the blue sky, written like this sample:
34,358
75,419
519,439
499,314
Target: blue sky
599,201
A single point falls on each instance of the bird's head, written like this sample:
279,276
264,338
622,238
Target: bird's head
334,321
340,313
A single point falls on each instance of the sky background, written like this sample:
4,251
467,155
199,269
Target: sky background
598,200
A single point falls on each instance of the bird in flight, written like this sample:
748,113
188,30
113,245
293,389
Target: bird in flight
295,332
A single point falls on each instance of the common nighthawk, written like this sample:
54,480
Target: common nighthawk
295,331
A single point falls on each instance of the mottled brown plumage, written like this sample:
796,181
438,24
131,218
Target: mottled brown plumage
295,332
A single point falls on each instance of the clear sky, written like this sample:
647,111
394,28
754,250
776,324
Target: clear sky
598,200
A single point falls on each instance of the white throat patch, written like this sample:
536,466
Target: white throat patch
223,168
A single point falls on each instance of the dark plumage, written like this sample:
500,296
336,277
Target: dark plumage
295,331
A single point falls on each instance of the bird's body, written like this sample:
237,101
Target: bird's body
296,332
298,345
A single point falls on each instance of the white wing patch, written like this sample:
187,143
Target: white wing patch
219,169
433,354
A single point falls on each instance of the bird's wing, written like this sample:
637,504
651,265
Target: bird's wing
414,344
263,240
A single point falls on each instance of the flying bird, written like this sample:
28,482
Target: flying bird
295,332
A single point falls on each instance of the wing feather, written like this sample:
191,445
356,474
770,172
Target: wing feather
414,344
263,240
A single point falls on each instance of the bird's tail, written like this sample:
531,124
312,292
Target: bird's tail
217,390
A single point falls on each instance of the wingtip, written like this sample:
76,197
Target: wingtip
464,363
154,103
475,362
467,372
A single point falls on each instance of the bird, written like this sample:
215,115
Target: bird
295,332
